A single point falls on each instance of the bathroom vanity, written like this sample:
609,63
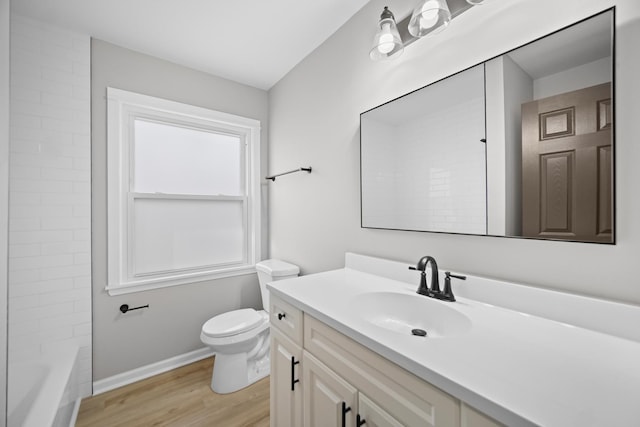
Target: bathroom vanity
342,353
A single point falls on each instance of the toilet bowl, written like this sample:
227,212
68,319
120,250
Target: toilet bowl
240,338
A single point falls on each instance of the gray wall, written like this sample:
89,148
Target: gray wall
314,119
507,87
521,91
171,326
4,198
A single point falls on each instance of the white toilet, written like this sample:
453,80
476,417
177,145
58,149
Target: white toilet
240,338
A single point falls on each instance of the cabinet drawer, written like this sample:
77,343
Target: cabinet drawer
286,318
405,397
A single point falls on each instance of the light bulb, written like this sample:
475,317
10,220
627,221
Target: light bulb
386,42
429,17
429,14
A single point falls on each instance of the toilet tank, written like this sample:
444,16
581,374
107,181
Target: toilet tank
271,270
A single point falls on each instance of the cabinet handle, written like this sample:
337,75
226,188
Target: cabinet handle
345,409
293,373
281,316
360,421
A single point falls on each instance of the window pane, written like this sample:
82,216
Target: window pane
176,160
178,234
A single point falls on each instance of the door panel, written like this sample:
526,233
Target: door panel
567,166
605,199
286,404
325,393
556,184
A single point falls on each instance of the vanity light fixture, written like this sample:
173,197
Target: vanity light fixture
428,17
387,41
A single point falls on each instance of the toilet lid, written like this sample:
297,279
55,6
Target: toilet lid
277,268
232,323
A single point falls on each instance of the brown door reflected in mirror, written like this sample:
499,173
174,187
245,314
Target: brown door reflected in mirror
567,166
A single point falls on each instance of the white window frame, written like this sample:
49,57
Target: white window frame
123,108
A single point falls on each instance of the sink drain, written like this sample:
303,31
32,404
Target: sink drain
419,332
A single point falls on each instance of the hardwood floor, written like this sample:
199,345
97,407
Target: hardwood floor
181,397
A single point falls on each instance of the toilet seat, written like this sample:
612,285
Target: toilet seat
232,323
248,332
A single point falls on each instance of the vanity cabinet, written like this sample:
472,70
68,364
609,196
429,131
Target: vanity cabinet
338,382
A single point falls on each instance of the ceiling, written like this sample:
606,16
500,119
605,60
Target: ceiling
254,42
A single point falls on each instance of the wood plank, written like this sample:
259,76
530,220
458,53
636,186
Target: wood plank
181,397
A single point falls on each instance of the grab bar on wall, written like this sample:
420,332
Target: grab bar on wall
273,177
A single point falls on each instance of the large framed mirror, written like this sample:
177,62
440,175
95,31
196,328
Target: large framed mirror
521,145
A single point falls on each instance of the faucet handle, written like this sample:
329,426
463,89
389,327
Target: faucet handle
448,274
447,292
419,267
423,289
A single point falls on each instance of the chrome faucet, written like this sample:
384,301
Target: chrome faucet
434,292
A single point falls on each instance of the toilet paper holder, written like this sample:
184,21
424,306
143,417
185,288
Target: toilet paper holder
125,307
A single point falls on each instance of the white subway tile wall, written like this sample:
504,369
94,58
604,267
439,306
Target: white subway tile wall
50,196
442,163
430,172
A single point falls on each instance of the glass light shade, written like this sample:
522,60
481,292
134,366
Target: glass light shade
429,17
387,41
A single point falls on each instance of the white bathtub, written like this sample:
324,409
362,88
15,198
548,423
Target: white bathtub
37,387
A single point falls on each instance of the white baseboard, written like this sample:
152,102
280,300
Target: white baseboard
147,371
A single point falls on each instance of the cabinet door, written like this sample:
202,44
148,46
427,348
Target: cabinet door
329,401
286,392
371,415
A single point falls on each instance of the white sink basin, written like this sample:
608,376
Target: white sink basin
402,313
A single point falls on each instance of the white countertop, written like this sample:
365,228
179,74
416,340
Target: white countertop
518,368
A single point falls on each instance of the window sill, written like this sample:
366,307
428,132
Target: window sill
183,279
